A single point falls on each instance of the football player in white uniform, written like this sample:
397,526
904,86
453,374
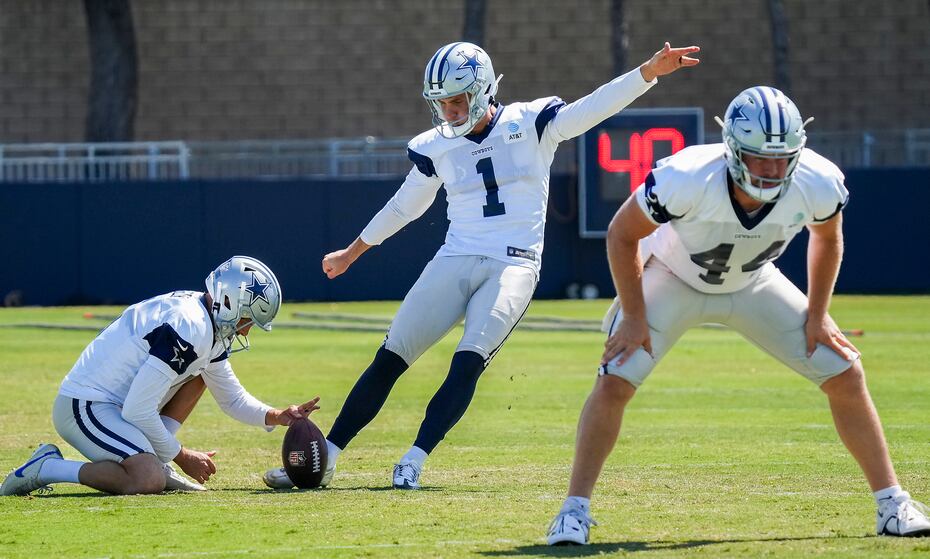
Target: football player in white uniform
695,244
493,160
157,357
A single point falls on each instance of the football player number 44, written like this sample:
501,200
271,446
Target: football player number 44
715,260
494,206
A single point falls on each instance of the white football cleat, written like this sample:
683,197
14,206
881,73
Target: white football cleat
277,478
902,516
406,475
329,473
25,479
570,527
176,482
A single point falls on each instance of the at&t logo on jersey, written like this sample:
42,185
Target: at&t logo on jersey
513,133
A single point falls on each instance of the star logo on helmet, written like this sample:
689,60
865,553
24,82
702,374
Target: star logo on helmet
256,290
737,114
471,62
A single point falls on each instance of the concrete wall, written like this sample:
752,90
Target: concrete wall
238,69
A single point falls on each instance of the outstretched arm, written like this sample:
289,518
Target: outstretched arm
580,116
667,61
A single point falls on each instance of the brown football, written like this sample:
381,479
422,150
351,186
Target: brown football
304,454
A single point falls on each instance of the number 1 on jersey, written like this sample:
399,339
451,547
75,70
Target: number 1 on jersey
494,205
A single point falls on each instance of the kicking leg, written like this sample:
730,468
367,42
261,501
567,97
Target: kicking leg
367,396
362,404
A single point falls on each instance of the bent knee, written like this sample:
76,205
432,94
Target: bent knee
146,486
850,381
146,475
617,390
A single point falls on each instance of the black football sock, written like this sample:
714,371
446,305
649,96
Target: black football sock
451,400
367,396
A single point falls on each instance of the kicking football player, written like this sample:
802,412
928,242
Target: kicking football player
695,244
493,160
158,355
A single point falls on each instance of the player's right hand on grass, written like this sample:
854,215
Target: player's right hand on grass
196,464
632,334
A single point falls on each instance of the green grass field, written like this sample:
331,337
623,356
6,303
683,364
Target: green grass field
724,451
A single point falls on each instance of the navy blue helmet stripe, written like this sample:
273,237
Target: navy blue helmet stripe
435,79
77,417
443,61
429,70
780,100
768,114
107,432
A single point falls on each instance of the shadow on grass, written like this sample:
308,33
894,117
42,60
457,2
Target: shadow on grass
64,494
253,491
337,489
603,548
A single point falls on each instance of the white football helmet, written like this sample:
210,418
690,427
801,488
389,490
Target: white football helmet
459,68
763,122
242,287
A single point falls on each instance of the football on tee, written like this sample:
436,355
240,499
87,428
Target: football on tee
304,454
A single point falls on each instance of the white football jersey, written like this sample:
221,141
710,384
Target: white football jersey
707,239
497,182
172,332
